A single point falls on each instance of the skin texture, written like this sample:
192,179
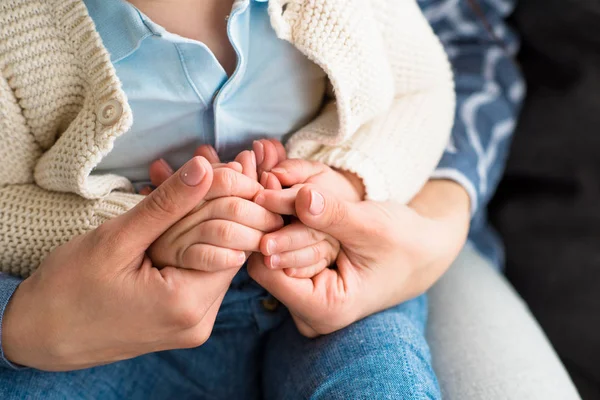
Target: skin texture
65,317
388,254
297,249
204,21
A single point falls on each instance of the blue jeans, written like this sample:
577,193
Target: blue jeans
256,352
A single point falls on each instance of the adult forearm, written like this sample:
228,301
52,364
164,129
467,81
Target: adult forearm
429,240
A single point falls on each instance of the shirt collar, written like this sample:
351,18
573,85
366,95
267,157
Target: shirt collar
122,27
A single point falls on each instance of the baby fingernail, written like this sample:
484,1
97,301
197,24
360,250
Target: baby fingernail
264,177
259,149
166,166
279,170
317,203
259,199
242,257
193,172
271,246
275,261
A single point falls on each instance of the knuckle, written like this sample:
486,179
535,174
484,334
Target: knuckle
338,214
313,234
237,208
226,231
205,258
162,201
197,337
227,180
180,255
316,252
107,239
187,316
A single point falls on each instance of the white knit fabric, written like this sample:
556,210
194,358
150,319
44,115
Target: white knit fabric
389,123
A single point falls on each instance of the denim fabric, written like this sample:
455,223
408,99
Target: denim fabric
8,286
255,353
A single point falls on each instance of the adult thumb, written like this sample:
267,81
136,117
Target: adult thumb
325,212
166,205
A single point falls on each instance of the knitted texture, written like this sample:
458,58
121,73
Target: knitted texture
389,122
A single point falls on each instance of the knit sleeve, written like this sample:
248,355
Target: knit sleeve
33,221
396,152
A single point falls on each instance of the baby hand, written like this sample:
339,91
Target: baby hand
223,230
301,251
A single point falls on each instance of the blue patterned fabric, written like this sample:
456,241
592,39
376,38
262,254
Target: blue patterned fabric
490,90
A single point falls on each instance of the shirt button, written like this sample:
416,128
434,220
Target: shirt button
270,304
110,112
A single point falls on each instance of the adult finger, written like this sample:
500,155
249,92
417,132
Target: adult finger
294,236
346,221
159,172
294,170
307,272
208,152
165,206
323,251
278,201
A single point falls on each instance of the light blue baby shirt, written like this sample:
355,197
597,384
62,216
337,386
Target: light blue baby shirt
181,97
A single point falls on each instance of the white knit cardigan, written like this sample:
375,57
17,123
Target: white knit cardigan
62,107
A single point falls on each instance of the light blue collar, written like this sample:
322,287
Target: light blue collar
122,27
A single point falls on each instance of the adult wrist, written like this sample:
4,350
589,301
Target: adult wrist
443,199
8,287
19,344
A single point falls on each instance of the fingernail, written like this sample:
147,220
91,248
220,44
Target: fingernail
271,246
166,165
193,172
317,203
253,158
259,198
275,260
242,257
259,149
264,178
279,170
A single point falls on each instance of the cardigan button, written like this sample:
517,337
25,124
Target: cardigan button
109,112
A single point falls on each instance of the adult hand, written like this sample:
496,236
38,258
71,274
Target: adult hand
390,253
98,299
